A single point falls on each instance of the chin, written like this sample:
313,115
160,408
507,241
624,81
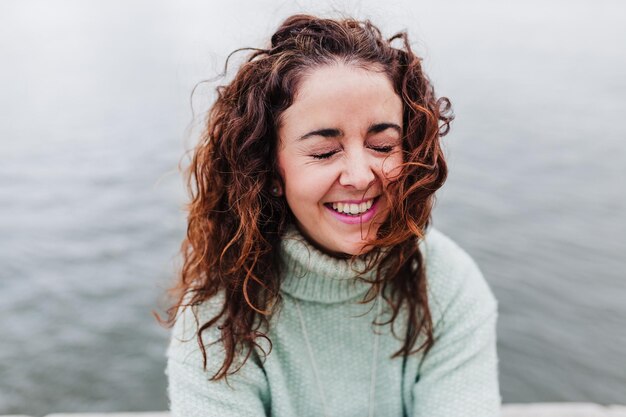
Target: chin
338,244
353,248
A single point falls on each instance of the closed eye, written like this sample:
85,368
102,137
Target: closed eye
382,149
324,155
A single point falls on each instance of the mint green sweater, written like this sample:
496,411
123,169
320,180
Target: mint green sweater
457,378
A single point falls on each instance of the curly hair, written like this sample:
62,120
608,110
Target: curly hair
235,224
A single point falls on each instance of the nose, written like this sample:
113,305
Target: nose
357,172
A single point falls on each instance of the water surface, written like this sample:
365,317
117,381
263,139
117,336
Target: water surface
95,117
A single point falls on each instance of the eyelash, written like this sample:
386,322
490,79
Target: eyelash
326,155
382,149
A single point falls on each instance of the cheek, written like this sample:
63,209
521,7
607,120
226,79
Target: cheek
289,170
307,186
392,166
297,178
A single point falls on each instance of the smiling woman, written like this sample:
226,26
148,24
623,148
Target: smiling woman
312,283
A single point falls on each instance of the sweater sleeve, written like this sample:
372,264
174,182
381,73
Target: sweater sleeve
191,392
459,375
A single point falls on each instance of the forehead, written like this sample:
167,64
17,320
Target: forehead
344,96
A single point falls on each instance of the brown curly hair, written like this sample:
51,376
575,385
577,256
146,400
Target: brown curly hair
235,224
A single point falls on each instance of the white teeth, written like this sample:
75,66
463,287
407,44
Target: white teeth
353,209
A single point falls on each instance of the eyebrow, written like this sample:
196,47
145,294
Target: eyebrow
335,133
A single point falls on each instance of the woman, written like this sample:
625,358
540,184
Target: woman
311,283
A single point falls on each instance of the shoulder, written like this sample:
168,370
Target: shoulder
443,256
184,336
453,277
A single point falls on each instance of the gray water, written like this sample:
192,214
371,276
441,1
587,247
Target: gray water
95,116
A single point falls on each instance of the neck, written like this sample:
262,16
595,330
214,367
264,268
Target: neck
312,275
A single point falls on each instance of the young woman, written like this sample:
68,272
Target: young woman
312,284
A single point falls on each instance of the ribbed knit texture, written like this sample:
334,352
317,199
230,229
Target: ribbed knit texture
458,376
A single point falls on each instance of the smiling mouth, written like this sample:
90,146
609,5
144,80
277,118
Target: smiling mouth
353,209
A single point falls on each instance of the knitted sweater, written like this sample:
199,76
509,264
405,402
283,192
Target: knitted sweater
331,374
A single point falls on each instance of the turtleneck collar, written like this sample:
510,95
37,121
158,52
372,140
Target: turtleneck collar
311,275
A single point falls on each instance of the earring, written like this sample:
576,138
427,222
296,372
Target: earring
275,190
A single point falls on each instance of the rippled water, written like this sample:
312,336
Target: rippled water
95,117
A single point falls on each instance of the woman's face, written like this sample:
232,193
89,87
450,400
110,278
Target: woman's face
340,144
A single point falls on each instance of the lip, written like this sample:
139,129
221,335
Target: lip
363,218
353,201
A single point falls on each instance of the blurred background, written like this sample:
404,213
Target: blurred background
96,114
